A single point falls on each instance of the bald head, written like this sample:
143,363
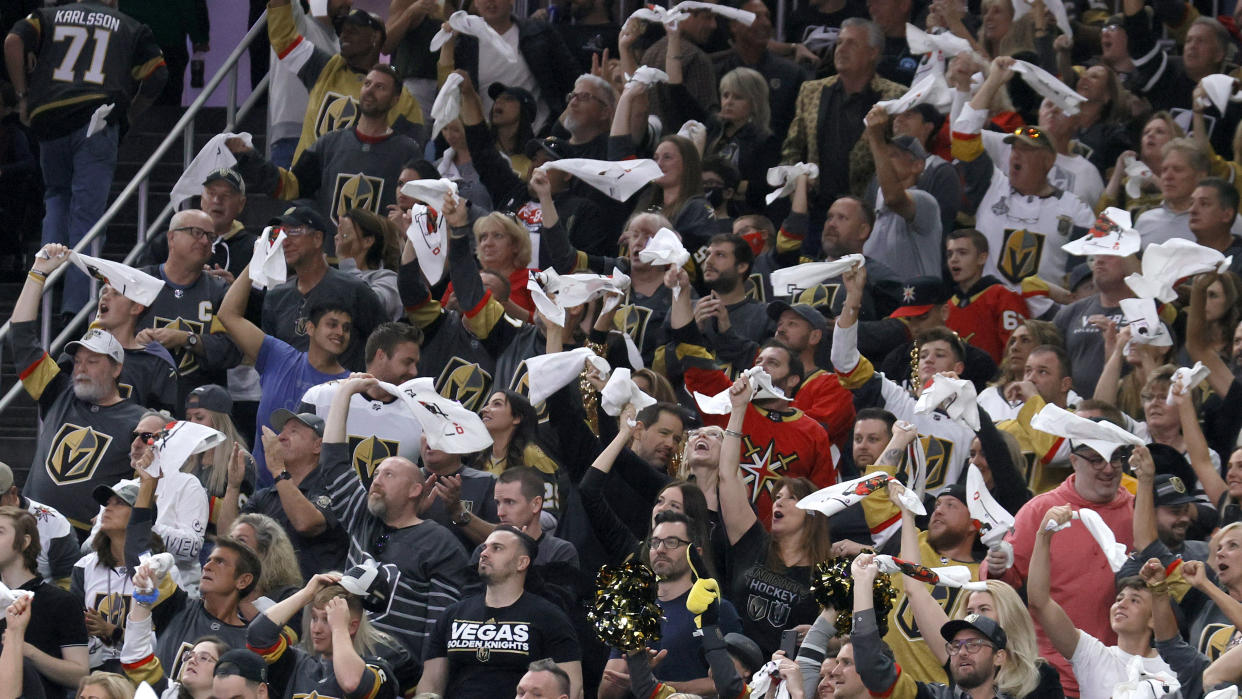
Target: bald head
395,490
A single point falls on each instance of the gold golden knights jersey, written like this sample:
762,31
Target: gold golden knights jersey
87,55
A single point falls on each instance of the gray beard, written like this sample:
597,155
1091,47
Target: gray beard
89,391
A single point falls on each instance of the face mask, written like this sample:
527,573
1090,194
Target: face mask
715,196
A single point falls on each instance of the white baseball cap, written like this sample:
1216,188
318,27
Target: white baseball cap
100,342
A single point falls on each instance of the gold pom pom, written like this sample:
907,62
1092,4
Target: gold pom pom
833,587
624,611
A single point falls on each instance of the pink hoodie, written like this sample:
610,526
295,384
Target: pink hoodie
1082,581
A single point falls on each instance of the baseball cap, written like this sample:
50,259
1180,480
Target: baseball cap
911,145
302,216
1079,274
125,490
920,295
210,397
523,97
1032,136
989,628
101,342
1171,490
369,582
804,310
229,175
745,650
244,663
362,18
956,490
6,478
311,420
552,146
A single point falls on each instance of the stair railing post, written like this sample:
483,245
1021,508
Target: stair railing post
143,188
231,105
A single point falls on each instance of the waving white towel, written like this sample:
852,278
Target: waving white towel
760,383
956,397
213,156
1049,87
427,233
664,248
267,262
1166,263
1145,325
994,521
1187,378
1103,437
785,177
135,285
448,426
647,75
1110,235
477,27
430,192
791,281
1138,175
1056,7
931,88
447,106
620,180
620,391
574,290
549,373
1220,91
179,441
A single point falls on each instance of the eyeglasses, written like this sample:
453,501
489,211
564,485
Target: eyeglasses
1029,132
1096,461
669,542
148,437
968,646
586,96
199,233
203,657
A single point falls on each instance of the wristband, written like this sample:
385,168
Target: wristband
146,598
37,276
1160,589
733,433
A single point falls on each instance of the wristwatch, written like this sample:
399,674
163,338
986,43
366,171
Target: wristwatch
191,340
284,476
463,519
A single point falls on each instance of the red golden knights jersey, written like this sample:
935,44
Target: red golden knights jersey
87,54
986,315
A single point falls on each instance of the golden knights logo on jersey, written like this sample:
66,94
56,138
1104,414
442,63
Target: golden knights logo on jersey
946,597
939,455
367,453
113,607
1020,254
75,453
754,288
465,382
819,296
187,361
521,384
762,467
358,191
632,319
336,111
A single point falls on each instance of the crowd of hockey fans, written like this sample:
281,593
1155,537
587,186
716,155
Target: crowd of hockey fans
900,343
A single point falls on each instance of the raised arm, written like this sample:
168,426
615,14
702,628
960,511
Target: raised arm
735,510
303,516
1057,624
17,618
232,314
1144,499
895,195
1197,447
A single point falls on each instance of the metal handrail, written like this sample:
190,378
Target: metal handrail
140,184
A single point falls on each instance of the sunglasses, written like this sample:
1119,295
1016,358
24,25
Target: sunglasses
148,437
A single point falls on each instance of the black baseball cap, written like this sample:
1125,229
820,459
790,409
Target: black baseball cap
804,310
521,94
210,397
1032,136
920,295
244,663
989,628
371,583
302,216
911,145
362,18
311,420
956,490
1171,490
229,175
555,148
1079,274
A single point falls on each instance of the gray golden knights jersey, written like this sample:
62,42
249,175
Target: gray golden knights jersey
193,308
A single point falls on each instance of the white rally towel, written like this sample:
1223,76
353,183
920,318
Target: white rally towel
158,565
1103,437
9,596
931,88
994,521
791,281
448,426
947,576
1144,322
267,262
731,13
661,15
549,373
135,285
1138,175
145,691
430,192
1114,550
1187,378
647,75
1230,692
760,383
840,496
620,391
212,157
948,43
1111,234
572,290
1049,87
1056,7
619,180
178,442
761,682
99,119
447,106
428,234
1144,685
1220,92
696,132
1166,263
477,27
664,248
956,397
785,178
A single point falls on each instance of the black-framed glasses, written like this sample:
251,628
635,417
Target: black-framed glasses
970,646
571,96
669,542
200,233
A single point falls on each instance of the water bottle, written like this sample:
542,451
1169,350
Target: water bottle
197,68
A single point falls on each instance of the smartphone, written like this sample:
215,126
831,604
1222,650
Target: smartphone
789,643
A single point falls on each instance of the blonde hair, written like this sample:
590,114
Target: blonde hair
215,473
279,569
1019,38
516,232
1214,542
1019,676
114,685
367,639
750,85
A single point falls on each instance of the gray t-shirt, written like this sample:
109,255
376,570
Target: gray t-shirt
1083,341
910,248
